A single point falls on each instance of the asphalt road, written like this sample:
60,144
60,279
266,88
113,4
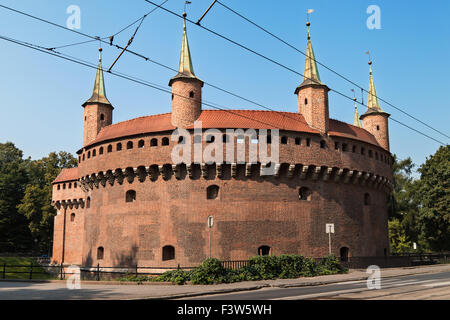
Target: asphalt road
421,287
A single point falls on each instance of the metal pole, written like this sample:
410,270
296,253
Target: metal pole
31,271
4,270
207,10
329,240
209,242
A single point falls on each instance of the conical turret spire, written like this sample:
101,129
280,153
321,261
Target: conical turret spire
186,68
311,74
373,102
356,121
99,92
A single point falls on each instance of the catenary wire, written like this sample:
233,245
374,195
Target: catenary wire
154,86
162,65
288,68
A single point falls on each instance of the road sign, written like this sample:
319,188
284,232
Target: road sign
210,221
329,228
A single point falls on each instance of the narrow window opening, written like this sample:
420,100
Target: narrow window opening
344,147
154,142
102,117
323,144
168,253
119,147
264,251
129,145
88,202
130,196
141,143
100,151
298,141
191,94
308,142
304,194
165,141
72,217
100,253
109,148
284,140
366,199
344,254
212,192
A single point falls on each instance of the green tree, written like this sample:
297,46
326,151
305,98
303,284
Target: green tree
398,240
433,193
36,203
14,233
403,202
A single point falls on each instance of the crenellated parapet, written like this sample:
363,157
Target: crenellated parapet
195,171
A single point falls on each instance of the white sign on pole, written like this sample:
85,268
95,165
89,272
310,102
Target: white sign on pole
329,228
210,221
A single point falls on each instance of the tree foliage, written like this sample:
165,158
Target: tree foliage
36,203
434,197
14,234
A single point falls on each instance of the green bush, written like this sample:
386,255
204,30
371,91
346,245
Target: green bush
330,265
211,271
175,276
285,266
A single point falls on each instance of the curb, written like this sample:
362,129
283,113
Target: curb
204,293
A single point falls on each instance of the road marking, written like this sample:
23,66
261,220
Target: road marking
440,284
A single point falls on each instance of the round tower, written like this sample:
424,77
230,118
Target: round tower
98,111
186,89
313,94
375,120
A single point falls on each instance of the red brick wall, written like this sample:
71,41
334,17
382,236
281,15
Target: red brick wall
316,110
250,211
377,125
93,122
185,110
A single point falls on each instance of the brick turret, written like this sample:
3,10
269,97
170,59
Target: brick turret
375,120
313,94
186,89
98,111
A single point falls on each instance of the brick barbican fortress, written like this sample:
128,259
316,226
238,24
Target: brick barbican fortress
127,202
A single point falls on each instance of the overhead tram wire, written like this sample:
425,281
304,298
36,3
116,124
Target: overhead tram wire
128,77
130,41
326,67
151,85
167,67
288,68
144,57
112,36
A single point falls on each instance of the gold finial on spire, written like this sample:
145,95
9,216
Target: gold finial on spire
99,92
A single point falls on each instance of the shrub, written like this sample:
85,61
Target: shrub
175,276
330,265
210,271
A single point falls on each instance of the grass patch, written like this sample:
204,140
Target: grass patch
18,268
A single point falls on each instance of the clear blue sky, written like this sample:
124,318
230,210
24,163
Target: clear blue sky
41,95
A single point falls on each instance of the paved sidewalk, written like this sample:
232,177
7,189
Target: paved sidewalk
115,290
